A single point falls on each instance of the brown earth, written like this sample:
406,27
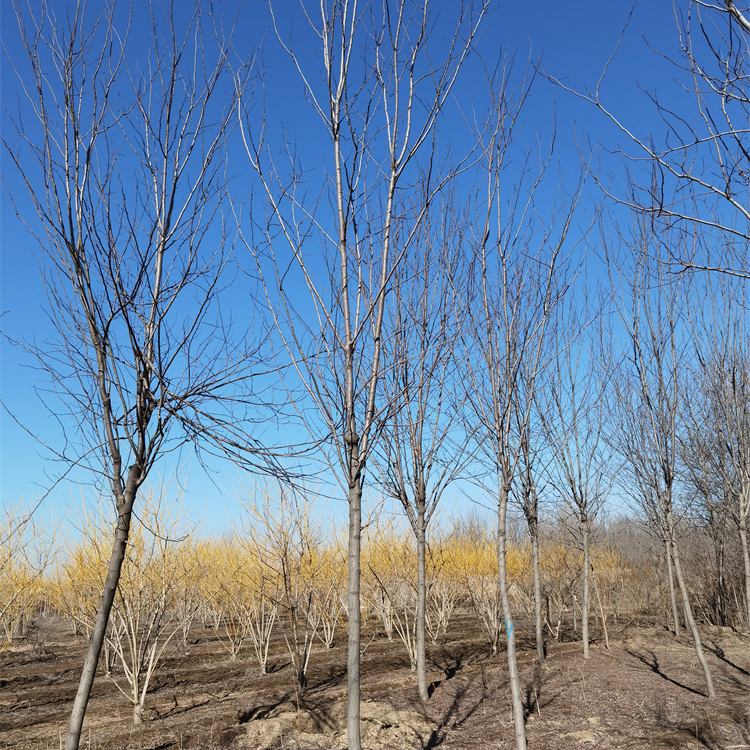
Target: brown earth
646,691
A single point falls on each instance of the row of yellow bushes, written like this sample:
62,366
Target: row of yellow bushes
206,574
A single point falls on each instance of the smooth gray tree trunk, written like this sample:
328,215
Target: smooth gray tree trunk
515,687
119,547
690,619
534,531
421,604
353,653
746,560
585,602
672,596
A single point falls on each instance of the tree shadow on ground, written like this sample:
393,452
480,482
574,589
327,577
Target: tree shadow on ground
335,678
454,717
702,732
650,660
535,698
718,651
263,711
452,662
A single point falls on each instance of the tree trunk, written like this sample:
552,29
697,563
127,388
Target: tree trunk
353,655
99,631
746,560
515,688
540,655
721,603
421,604
585,603
601,608
691,621
672,597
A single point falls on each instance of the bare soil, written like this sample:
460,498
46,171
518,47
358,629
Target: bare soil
645,691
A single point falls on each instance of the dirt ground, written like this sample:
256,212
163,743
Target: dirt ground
646,691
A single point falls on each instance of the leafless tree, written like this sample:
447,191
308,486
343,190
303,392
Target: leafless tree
718,458
533,465
26,548
643,480
287,537
651,308
695,177
535,458
378,100
573,418
518,280
420,451
123,160
704,458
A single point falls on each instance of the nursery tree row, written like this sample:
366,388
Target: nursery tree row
283,573
409,301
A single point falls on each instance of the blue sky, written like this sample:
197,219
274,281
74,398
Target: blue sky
574,40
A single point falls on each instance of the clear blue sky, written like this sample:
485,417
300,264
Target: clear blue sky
574,39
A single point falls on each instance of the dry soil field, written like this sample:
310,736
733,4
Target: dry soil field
646,691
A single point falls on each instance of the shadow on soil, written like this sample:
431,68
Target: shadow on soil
535,698
718,651
650,660
451,661
336,678
456,715
265,710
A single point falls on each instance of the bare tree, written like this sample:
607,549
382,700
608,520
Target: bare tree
378,100
123,161
288,539
695,177
573,418
705,461
421,452
518,280
648,391
529,501
719,458
26,548
144,618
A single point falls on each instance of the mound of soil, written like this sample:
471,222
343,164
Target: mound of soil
380,725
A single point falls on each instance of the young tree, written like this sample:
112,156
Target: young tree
518,279
122,158
25,551
719,458
242,595
474,560
144,616
378,100
421,451
704,457
573,418
530,506
647,388
288,541
391,566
